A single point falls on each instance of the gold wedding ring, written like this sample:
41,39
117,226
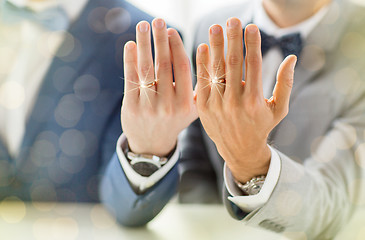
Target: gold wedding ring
219,80
148,84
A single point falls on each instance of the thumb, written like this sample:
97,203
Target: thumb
284,84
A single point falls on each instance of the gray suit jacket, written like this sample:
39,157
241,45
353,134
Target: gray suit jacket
320,142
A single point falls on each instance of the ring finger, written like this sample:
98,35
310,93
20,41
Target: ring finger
217,73
145,63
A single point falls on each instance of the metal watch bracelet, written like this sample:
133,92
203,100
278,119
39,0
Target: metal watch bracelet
253,186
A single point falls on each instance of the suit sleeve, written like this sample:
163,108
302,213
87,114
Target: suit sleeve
130,208
317,197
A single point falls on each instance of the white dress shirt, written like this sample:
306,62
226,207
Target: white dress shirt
27,50
271,62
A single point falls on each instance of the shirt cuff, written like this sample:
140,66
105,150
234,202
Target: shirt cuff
138,181
252,202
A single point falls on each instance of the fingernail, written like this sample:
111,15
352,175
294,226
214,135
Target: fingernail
201,48
233,22
143,27
159,23
129,45
294,63
215,29
251,28
171,32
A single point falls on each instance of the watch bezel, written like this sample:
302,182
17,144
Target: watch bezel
253,186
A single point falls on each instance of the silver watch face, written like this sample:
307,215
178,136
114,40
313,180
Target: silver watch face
255,189
254,186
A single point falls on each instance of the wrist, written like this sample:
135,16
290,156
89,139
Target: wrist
251,165
158,149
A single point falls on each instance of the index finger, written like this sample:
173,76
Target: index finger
253,61
234,60
181,65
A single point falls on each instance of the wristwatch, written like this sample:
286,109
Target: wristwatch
146,164
253,186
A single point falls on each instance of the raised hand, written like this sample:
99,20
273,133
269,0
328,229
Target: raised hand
155,108
233,112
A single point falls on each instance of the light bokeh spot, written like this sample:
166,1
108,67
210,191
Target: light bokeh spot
12,210
347,79
289,203
323,149
42,153
69,110
62,73
72,165
72,142
96,20
87,87
352,45
118,20
345,136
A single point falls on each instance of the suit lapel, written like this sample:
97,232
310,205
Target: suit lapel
317,51
49,95
318,46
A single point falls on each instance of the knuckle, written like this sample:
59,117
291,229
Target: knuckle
290,82
185,109
144,41
233,108
212,109
233,35
175,41
134,113
160,39
217,65
129,61
250,105
253,42
129,77
217,43
145,68
163,65
201,72
235,59
184,65
202,106
284,112
232,100
254,58
166,111
150,112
